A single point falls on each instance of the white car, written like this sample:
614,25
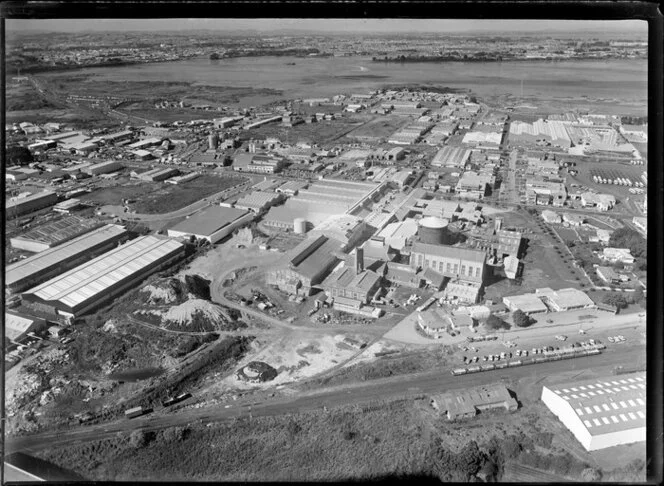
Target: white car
612,339
561,337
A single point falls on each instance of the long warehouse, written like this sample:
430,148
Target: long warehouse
88,286
601,412
38,268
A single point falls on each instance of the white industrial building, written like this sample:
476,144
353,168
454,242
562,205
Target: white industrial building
213,224
93,283
601,412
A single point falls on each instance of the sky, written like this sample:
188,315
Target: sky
329,25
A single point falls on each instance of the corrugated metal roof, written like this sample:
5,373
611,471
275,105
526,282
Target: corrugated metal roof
209,220
59,230
606,405
321,257
96,276
53,256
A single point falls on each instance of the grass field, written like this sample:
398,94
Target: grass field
321,133
355,442
381,127
157,198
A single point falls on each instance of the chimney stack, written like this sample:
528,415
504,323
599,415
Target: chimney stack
359,259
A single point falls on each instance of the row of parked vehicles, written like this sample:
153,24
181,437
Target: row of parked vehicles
546,355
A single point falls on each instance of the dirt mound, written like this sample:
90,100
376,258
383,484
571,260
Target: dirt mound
257,372
195,315
177,290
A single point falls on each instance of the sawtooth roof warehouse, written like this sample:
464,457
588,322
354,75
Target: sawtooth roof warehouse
88,286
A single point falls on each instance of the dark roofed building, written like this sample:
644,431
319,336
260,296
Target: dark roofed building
464,404
310,262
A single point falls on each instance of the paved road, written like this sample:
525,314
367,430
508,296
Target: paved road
361,393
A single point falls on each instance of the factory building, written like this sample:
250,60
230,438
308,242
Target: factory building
564,299
451,157
94,283
15,207
353,281
541,132
546,299
397,235
291,188
462,268
601,412
259,201
526,303
309,264
158,174
402,178
213,223
53,261
68,206
465,404
500,245
17,326
539,191
324,198
453,262
104,167
258,163
53,233
349,230
181,179
226,122
473,185
118,136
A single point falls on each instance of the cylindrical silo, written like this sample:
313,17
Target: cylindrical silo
433,230
300,226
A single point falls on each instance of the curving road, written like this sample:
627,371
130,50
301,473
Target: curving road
217,295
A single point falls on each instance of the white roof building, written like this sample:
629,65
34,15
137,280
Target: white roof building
623,255
88,285
601,412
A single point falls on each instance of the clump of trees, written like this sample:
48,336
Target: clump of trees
494,323
17,155
629,238
521,319
616,299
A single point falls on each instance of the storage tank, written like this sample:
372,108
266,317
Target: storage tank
433,230
300,226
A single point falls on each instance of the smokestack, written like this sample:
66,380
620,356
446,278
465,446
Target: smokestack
359,259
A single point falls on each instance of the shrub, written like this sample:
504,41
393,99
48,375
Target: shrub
521,319
590,474
174,434
495,322
138,439
615,299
